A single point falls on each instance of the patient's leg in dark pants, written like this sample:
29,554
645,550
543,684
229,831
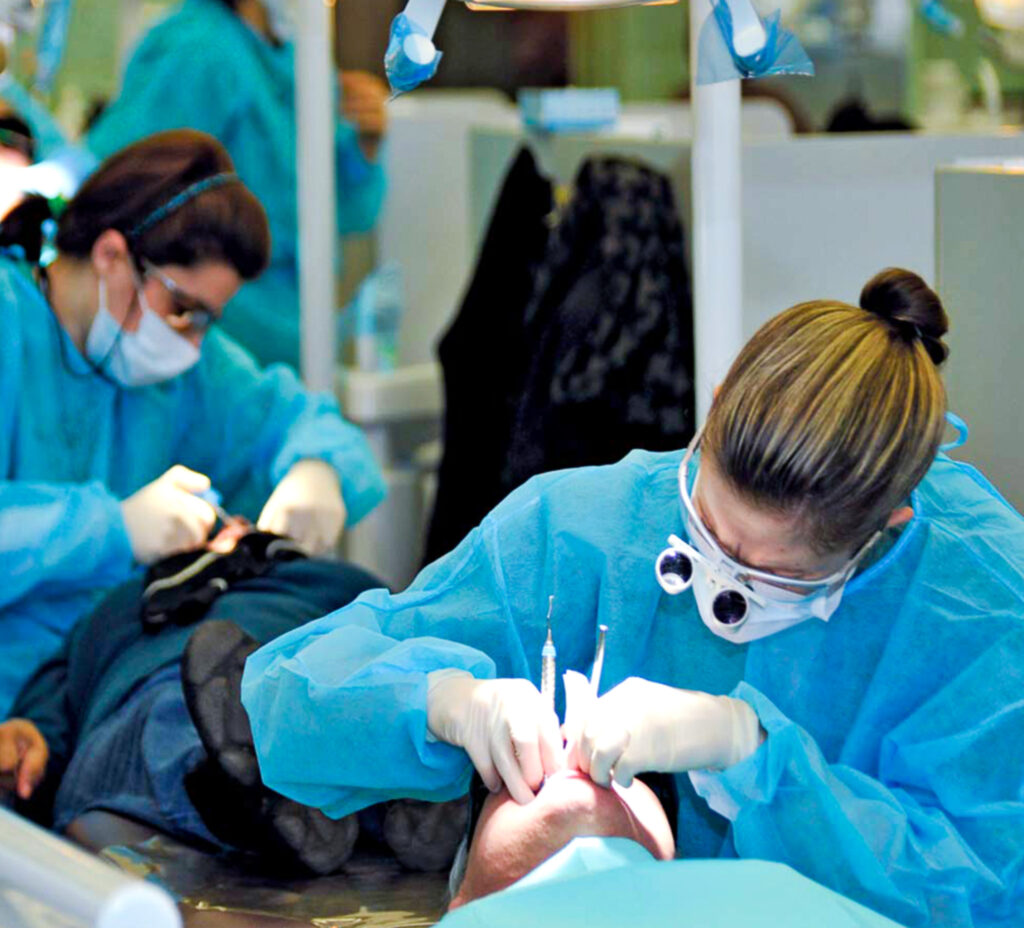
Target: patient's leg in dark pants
229,794
226,788
136,761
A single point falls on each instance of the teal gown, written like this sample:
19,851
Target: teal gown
204,68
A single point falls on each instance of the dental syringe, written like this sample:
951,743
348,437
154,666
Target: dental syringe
547,662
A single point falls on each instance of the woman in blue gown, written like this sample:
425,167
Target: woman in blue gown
120,401
842,692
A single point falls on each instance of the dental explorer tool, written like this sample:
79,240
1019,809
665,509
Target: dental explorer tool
547,662
595,674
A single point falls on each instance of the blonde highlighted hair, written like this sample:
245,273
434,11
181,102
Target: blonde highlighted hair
833,412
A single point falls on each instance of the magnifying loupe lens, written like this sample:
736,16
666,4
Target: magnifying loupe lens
677,564
730,607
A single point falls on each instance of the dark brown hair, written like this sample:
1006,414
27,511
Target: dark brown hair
834,412
225,223
16,134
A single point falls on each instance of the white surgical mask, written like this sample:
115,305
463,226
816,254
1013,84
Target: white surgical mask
151,354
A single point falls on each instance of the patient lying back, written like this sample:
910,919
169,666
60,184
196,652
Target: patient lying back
510,839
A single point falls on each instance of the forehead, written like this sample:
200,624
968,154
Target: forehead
733,514
760,537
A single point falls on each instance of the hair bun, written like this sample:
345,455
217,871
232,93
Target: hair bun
910,307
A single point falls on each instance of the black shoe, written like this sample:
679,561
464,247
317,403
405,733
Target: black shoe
227,790
426,835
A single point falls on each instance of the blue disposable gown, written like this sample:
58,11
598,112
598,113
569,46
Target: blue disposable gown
205,68
73,444
893,770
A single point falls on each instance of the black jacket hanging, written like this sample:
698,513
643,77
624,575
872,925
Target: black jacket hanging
484,356
573,345
610,327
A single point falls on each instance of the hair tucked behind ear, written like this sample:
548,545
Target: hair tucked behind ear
834,413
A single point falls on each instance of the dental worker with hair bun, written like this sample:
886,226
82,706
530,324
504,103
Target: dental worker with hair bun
122,405
815,620
227,67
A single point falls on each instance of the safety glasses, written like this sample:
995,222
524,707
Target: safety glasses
192,311
740,583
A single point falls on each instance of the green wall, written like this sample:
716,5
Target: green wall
925,43
641,50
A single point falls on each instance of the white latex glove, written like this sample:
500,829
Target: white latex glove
165,517
509,732
642,726
307,507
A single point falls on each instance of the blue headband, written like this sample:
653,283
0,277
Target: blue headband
179,200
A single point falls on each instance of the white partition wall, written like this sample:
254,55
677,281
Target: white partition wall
821,214
980,239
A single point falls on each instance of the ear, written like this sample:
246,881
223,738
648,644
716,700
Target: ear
108,250
716,391
900,517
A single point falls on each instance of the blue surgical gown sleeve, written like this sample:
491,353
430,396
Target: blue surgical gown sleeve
56,538
245,427
338,707
939,827
61,538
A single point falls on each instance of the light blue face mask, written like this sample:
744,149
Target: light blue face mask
153,353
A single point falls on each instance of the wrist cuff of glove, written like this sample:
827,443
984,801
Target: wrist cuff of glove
746,731
434,679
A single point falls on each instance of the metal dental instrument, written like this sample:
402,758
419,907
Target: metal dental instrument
547,662
595,674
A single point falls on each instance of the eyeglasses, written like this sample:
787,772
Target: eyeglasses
191,310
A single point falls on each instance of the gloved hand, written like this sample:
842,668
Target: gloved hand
509,732
641,726
307,507
23,757
165,518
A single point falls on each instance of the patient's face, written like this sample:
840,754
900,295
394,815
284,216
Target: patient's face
511,839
